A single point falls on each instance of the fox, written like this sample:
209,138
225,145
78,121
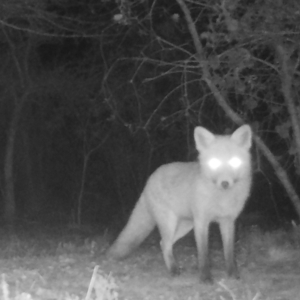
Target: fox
181,196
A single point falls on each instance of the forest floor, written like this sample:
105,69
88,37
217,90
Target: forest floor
60,264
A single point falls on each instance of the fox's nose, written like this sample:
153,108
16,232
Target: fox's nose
225,184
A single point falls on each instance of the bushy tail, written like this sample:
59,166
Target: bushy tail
139,226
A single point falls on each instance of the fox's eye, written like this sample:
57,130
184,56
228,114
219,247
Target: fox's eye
235,162
214,163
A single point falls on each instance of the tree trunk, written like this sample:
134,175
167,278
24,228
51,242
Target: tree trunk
9,190
32,195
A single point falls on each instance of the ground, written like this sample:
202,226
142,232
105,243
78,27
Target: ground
64,265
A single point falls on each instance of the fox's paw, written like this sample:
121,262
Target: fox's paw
175,270
233,273
205,277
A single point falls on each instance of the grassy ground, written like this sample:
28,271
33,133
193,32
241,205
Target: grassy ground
61,264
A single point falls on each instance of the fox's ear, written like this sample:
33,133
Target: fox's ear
203,138
243,136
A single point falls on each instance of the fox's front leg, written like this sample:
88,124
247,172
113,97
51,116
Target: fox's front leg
227,228
201,235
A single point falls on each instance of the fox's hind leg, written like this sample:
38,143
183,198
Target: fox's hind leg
167,229
172,230
170,261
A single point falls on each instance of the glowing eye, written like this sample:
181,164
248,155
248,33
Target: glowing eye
235,162
214,163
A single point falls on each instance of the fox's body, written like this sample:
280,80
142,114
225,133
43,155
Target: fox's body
179,197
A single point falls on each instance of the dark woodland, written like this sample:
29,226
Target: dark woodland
95,95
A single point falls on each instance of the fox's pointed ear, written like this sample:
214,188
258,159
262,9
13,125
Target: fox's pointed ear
203,138
243,136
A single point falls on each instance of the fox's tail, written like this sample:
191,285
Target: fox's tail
139,226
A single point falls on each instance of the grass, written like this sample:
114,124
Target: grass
61,264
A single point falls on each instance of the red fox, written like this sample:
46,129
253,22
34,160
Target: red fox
179,197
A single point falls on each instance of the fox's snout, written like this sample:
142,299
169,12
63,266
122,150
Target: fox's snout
225,184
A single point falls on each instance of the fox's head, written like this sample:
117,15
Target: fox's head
224,159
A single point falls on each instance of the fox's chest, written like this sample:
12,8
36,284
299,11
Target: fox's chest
216,203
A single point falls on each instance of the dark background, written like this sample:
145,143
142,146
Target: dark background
94,104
